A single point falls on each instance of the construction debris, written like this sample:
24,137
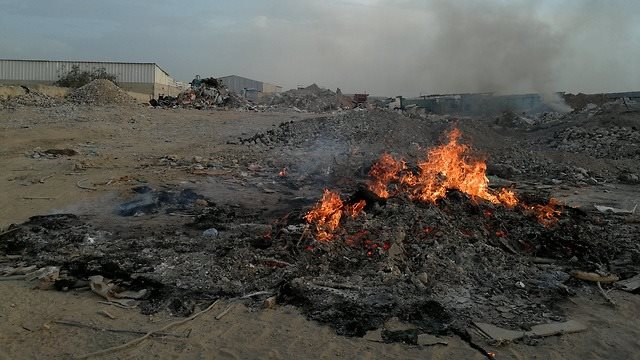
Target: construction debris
631,284
209,93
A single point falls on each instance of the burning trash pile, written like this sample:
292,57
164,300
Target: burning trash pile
446,168
311,99
208,93
431,244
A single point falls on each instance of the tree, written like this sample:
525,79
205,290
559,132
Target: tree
76,78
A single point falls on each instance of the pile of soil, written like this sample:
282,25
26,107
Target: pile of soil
312,99
100,92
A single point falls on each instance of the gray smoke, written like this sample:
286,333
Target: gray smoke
492,47
440,46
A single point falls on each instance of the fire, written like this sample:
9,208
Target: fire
507,198
355,209
327,213
283,172
547,214
448,166
384,172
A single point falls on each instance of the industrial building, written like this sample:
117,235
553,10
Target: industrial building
241,84
476,104
141,78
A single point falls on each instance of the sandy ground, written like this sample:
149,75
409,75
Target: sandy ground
120,148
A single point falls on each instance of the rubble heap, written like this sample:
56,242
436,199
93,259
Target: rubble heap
100,92
615,142
210,93
350,128
428,242
312,99
31,98
437,266
610,137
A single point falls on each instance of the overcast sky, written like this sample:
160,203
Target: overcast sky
381,47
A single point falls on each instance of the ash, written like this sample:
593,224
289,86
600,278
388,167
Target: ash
437,266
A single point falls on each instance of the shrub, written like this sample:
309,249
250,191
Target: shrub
76,78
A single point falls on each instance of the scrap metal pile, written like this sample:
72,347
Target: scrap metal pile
430,243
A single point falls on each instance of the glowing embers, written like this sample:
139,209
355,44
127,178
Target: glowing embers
548,214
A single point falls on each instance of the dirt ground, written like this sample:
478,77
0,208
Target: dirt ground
119,148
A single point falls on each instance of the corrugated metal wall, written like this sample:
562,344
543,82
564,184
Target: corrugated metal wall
163,78
238,83
36,70
271,88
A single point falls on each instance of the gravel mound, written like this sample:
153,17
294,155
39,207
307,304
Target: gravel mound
100,92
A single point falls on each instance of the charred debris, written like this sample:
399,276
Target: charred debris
429,243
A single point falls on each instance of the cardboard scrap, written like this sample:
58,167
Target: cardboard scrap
543,330
631,284
590,276
497,333
110,291
567,327
606,209
430,340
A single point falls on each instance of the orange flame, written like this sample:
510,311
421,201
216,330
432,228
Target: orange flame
326,215
355,209
448,166
382,173
547,214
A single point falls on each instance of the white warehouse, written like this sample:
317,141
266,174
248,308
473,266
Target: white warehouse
144,78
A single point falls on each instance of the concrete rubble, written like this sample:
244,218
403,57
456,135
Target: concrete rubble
309,99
